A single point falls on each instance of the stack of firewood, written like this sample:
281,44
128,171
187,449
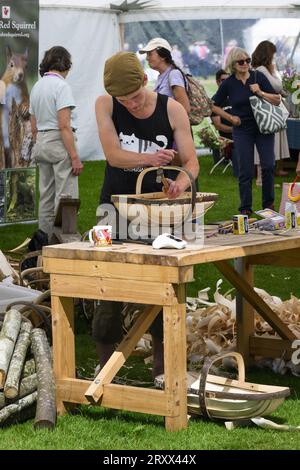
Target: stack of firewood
19,393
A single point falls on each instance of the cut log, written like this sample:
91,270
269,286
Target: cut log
29,368
2,400
11,386
12,324
28,385
46,405
14,408
8,337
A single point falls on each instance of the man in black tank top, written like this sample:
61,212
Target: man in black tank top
137,128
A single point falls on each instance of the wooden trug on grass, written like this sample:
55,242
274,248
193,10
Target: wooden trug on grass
65,222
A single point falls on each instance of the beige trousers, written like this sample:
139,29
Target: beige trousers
55,176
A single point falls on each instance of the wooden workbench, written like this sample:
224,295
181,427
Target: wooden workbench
157,278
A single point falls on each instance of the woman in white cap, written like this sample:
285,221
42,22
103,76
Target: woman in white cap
171,81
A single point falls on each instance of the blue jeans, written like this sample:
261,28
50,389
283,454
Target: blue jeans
245,137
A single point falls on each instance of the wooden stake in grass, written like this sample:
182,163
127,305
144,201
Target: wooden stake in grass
46,405
8,337
11,386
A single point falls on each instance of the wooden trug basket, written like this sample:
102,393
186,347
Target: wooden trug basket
156,209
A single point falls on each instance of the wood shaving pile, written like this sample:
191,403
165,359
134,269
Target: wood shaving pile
211,327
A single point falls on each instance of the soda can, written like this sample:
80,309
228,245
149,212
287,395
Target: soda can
290,215
240,224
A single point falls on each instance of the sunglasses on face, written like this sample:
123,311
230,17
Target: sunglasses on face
243,61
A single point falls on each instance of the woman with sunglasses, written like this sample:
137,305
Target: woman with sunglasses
238,88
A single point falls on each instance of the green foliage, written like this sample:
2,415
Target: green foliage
290,80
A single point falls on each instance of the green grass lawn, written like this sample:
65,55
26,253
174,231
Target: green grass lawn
98,428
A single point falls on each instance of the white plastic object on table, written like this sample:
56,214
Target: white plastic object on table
167,240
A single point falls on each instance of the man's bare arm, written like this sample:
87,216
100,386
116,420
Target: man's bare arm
114,154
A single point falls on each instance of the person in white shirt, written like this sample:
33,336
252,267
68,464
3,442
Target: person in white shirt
53,123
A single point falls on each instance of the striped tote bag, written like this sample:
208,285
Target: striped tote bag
269,117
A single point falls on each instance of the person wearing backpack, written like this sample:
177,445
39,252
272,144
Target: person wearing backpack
173,82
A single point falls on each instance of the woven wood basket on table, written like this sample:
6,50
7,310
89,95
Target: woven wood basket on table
157,209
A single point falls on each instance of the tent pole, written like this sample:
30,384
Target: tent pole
222,40
122,35
295,47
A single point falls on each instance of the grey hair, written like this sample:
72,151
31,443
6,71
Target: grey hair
234,54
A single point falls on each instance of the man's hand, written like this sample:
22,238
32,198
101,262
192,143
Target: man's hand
161,158
176,188
235,120
77,166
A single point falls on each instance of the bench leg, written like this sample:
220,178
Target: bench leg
175,362
63,342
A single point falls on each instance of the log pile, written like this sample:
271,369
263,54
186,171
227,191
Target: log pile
18,392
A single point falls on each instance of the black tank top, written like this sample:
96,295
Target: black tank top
137,135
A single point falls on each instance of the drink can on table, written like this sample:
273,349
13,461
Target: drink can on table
240,224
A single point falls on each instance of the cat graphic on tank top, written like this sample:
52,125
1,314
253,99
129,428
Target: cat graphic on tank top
132,143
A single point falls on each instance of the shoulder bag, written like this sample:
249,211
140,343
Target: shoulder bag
270,118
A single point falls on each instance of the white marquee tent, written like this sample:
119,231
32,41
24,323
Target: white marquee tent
92,30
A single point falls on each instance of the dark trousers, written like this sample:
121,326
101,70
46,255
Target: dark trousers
107,323
244,139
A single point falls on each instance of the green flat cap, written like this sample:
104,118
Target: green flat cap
123,74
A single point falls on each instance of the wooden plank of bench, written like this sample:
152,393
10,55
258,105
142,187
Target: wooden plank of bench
254,299
121,397
136,272
124,290
270,347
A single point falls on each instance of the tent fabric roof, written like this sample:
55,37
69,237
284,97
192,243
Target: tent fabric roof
158,4
98,36
166,10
